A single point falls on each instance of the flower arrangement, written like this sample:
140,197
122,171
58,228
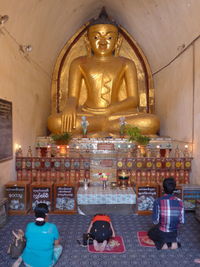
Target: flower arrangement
104,176
62,139
134,134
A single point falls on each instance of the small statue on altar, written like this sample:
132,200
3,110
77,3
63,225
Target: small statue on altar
157,151
186,152
29,153
38,152
138,152
84,124
177,152
48,154
148,152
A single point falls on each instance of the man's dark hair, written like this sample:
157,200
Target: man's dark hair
41,211
169,185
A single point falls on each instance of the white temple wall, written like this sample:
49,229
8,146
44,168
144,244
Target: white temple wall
196,146
28,88
177,102
174,98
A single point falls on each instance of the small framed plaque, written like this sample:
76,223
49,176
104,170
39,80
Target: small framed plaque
65,198
41,193
146,194
17,194
6,147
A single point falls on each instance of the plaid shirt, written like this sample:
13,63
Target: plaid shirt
168,212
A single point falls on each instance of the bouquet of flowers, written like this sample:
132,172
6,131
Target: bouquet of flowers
104,176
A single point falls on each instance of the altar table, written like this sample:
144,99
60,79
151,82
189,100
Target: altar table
95,194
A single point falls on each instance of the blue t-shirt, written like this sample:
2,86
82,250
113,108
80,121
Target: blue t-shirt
39,244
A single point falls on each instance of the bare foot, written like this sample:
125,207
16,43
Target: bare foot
96,245
174,245
165,246
197,260
103,245
17,262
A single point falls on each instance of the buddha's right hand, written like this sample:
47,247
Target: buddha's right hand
68,119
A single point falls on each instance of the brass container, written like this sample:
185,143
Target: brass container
123,180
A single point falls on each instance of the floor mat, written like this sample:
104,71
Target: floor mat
144,240
115,245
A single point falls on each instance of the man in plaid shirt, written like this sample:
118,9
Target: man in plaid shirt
168,213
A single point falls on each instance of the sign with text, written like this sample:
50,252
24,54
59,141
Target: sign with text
105,146
146,194
6,147
106,163
41,194
64,198
16,197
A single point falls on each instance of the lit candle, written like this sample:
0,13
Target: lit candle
18,150
58,151
17,146
186,152
62,150
48,151
158,151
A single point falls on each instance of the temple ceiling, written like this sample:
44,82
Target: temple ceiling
163,28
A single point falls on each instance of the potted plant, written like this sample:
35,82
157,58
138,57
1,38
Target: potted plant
62,139
134,134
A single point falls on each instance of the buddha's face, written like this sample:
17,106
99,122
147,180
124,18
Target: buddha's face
102,38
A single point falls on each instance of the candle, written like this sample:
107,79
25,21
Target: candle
48,151
158,151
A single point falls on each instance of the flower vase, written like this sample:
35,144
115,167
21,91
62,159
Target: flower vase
104,185
84,133
122,131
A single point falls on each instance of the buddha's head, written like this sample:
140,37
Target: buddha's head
103,35
103,38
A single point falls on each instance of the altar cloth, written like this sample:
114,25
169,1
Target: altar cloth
95,194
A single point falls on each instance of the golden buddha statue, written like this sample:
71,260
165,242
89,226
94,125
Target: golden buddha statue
103,73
